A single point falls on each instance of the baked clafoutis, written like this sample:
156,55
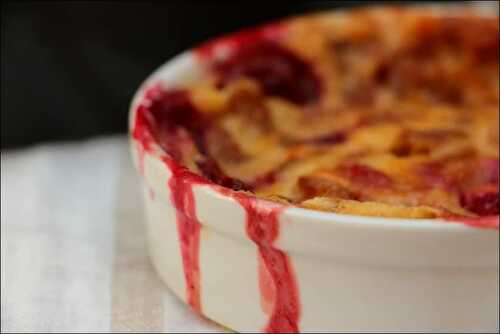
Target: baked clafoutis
384,112
330,171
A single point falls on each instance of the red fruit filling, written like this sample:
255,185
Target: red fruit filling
278,71
171,117
483,200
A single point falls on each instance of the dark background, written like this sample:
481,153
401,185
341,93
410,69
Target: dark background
69,69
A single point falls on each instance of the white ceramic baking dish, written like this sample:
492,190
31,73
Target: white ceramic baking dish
323,271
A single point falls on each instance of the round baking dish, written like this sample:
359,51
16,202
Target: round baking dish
316,271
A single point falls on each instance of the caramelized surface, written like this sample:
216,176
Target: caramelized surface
380,112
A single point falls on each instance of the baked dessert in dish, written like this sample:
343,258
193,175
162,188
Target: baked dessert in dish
284,166
380,112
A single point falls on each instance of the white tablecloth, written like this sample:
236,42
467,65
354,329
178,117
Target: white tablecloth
73,253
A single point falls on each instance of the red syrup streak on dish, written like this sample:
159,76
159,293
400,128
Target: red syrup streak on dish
142,134
188,227
144,123
266,287
153,111
263,229
279,291
278,285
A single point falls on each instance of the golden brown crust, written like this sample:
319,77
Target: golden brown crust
406,123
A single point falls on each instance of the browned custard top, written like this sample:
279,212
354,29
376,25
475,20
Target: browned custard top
381,112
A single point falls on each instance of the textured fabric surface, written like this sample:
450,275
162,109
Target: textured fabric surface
73,244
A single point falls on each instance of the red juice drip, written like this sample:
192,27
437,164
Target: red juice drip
279,290
144,123
142,134
188,227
